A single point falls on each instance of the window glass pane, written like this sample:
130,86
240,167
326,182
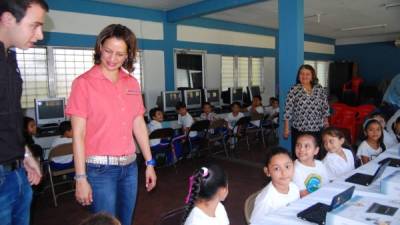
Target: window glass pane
322,72
243,71
68,64
33,66
256,76
227,68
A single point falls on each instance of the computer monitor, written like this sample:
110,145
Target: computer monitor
253,91
170,99
192,98
213,97
237,95
49,110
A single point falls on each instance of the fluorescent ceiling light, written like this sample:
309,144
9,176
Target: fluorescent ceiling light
364,27
390,5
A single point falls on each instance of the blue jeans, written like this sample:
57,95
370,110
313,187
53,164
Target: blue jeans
15,197
114,189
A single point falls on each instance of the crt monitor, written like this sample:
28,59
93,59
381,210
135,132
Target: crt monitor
253,91
237,95
192,98
49,110
170,99
212,96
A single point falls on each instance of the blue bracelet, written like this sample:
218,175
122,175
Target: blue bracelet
151,162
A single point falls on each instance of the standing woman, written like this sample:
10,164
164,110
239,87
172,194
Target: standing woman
106,108
306,106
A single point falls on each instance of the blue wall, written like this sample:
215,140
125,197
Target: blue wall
376,61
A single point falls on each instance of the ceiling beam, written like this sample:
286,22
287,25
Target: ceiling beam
205,7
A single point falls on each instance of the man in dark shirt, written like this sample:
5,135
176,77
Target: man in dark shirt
21,25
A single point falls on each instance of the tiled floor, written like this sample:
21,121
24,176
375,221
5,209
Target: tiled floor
244,170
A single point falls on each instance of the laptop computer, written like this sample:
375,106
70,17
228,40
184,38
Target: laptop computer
317,212
393,162
365,179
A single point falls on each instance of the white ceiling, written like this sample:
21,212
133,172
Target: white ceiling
334,15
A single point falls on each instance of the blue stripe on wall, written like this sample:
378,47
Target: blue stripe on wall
106,9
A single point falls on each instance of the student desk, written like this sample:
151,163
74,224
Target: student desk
288,214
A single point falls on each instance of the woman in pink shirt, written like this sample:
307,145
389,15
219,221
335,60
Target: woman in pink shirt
106,111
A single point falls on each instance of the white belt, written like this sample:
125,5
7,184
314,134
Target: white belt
111,160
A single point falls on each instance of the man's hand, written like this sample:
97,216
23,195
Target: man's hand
33,170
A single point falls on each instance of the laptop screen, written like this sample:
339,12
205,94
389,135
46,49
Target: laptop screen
342,197
380,170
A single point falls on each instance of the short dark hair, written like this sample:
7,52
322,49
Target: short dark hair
236,103
64,127
276,151
180,105
120,32
153,112
273,99
257,96
27,120
205,183
206,103
314,80
18,7
100,219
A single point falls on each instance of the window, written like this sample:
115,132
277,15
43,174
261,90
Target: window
33,66
322,70
241,71
49,71
68,64
189,69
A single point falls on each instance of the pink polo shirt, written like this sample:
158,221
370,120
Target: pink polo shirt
109,109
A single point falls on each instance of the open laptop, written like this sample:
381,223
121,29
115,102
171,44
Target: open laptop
365,179
317,212
393,162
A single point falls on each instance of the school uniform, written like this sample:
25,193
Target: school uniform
310,178
270,199
336,165
198,217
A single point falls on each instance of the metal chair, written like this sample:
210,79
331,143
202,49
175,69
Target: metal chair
201,127
166,135
60,150
256,128
172,217
216,134
239,131
249,206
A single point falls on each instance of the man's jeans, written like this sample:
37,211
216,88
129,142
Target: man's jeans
114,189
15,197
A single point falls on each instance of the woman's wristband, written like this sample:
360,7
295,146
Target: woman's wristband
80,176
151,162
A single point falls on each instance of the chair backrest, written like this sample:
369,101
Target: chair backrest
218,123
163,133
173,217
256,116
201,125
249,206
61,150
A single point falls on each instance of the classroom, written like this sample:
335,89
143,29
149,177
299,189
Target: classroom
203,90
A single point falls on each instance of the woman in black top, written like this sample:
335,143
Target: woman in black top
306,106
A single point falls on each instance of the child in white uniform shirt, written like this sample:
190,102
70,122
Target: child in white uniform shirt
185,119
273,110
256,108
157,117
338,160
234,115
208,186
309,174
373,144
208,113
388,139
280,191
63,162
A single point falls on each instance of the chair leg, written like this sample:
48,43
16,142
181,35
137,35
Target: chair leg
52,187
247,142
226,151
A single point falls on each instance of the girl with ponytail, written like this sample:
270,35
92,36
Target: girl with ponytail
208,186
